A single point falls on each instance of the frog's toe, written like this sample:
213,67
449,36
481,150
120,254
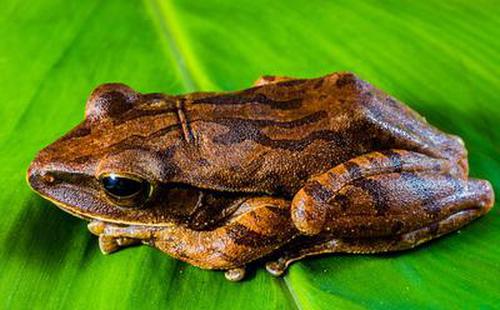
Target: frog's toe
276,268
125,242
108,245
236,274
96,227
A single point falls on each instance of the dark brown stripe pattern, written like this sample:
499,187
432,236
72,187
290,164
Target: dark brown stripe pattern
239,98
243,235
377,192
250,129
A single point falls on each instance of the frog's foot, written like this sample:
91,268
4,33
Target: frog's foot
277,267
236,274
110,243
300,248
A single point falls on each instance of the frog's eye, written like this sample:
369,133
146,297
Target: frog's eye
126,191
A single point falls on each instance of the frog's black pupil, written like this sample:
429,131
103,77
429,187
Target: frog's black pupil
122,186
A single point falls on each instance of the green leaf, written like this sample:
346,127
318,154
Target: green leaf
440,57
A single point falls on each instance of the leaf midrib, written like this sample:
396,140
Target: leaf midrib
176,45
193,78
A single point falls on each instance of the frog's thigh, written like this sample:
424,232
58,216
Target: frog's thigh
269,79
395,203
383,193
310,205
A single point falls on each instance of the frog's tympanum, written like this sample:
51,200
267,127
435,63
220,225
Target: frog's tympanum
286,169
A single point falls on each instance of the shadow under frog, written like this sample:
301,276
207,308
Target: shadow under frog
286,169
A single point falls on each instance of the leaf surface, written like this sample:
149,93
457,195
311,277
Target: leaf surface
440,57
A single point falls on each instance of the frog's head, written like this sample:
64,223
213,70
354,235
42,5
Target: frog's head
116,165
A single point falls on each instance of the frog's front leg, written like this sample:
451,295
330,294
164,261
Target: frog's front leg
387,193
257,228
112,240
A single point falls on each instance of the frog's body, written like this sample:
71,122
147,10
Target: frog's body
286,169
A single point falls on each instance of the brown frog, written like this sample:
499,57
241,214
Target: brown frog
286,169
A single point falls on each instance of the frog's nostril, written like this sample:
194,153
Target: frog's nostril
47,177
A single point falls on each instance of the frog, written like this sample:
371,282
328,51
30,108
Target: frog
286,169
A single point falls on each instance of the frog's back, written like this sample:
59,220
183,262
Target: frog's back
272,138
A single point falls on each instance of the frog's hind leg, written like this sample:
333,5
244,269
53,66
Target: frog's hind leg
469,202
385,193
385,201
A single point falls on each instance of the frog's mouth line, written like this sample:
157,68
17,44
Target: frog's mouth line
75,212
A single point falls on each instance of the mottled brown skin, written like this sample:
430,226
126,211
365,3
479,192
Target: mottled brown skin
285,169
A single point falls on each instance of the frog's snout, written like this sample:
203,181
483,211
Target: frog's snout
39,177
45,172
